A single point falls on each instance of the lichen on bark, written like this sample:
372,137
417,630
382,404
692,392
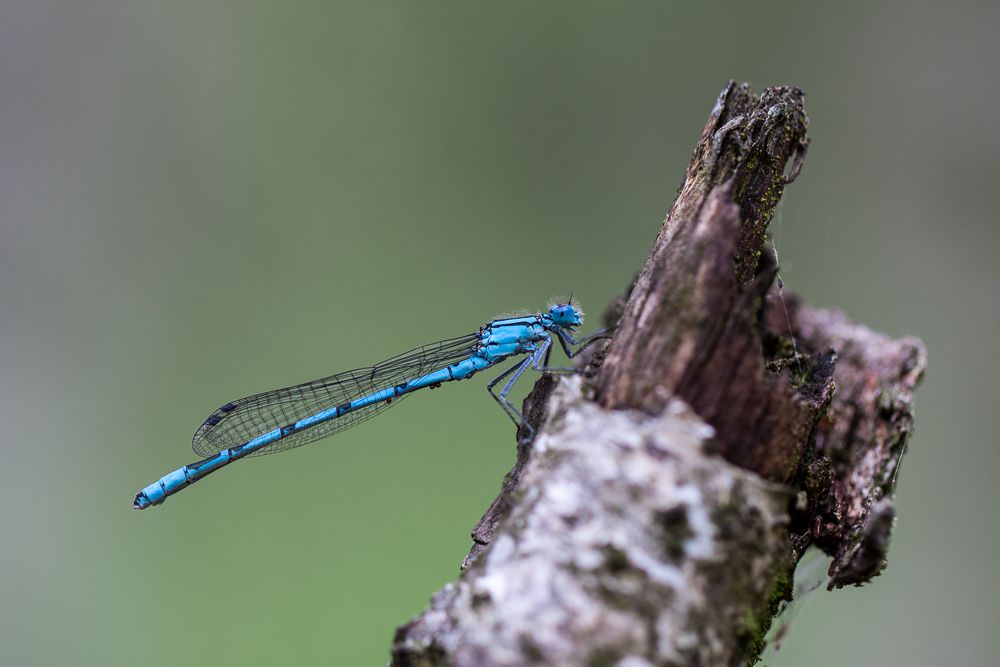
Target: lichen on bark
621,510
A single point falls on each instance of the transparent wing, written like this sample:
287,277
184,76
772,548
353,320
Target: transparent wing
240,421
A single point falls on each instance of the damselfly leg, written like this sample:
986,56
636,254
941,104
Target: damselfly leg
517,369
566,340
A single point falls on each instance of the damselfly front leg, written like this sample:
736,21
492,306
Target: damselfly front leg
566,340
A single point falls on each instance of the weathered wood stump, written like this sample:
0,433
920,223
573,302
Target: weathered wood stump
658,515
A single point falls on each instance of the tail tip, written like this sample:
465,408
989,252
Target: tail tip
141,502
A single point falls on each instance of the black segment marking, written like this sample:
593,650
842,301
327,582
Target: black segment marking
288,428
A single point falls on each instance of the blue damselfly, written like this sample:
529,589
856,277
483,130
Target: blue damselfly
275,421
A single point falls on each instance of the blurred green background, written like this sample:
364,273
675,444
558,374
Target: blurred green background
200,200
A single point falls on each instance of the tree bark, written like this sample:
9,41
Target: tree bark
673,485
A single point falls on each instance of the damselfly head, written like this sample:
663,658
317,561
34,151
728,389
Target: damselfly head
565,315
